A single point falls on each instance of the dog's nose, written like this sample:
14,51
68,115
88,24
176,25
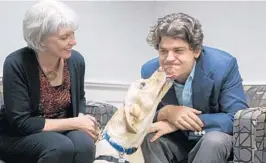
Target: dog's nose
142,84
160,69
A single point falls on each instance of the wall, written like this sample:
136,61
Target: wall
111,36
234,26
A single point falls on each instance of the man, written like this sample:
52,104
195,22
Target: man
194,121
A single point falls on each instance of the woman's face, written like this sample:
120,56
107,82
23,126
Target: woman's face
60,43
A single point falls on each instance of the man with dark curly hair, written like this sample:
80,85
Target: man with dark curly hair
194,121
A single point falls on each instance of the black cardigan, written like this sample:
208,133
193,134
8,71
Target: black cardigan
21,89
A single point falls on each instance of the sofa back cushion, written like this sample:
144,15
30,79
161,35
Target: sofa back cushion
256,95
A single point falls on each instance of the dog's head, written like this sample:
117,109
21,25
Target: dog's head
143,95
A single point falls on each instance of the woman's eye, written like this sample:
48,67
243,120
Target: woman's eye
63,38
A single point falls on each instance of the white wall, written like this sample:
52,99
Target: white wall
111,36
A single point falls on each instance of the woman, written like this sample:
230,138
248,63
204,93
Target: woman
43,120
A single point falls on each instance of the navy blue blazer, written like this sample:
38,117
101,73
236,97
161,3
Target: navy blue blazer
217,90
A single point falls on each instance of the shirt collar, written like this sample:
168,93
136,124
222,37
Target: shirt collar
191,75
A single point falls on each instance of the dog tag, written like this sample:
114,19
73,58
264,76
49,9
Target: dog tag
121,160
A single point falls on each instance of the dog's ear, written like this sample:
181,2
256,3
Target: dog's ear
132,113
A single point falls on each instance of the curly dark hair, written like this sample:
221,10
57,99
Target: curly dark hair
177,25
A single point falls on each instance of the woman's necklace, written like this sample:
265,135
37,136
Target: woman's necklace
50,75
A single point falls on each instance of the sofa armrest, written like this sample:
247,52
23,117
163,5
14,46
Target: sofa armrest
101,111
249,133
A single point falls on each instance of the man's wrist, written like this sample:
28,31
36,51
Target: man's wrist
162,114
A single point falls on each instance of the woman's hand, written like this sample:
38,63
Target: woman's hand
88,124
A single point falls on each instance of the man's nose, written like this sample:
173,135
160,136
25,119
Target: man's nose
170,56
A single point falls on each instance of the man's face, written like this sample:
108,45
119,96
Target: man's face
176,58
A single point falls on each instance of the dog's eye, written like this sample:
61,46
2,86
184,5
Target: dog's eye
142,85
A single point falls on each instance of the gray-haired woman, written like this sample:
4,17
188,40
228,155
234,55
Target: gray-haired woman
43,119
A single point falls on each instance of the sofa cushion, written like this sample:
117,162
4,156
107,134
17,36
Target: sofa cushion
101,111
256,96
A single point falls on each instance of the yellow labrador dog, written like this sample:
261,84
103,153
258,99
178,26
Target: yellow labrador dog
127,128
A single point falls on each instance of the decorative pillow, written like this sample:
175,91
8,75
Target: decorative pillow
101,111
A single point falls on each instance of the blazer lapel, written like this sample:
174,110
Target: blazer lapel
170,97
201,89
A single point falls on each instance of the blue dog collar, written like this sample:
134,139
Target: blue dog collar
118,147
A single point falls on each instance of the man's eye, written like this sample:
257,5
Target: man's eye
178,51
162,51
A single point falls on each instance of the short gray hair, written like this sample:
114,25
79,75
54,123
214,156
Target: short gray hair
44,19
177,25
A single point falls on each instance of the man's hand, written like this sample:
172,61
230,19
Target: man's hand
184,118
161,128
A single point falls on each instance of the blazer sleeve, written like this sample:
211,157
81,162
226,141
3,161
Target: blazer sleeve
231,99
82,101
18,107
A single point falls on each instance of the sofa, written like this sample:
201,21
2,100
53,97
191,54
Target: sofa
246,152
249,127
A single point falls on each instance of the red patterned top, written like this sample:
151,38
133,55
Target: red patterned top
55,101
